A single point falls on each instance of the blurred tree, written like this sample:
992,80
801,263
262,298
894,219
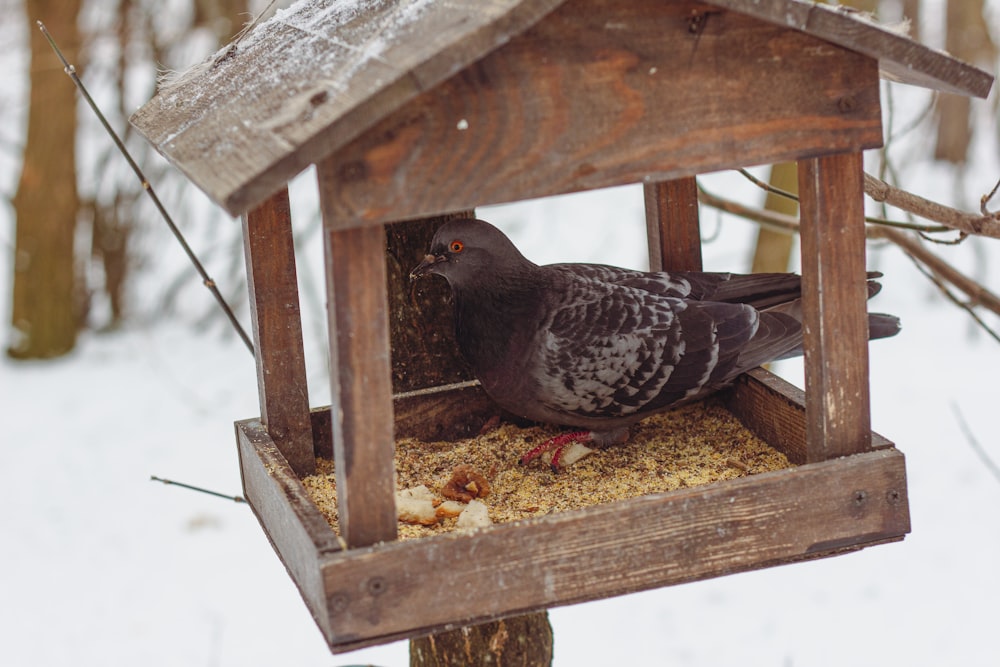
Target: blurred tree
111,208
774,249
45,306
54,203
968,38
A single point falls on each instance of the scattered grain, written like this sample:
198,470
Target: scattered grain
690,446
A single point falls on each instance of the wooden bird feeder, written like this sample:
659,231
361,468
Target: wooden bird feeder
411,109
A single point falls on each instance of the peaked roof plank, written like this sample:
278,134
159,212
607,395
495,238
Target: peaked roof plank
900,58
315,76
311,78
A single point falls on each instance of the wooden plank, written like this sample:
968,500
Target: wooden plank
900,58
422,585
834,296
298,532
775,411
672,225
244,122
571,104
360,375
422,324
277,330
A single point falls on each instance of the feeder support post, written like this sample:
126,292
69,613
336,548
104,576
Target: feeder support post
834,296
672,226
360,373
277,330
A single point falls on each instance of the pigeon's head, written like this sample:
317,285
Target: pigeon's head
465,251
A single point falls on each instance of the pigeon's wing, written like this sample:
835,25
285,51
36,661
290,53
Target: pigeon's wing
609,351
760,290
661,282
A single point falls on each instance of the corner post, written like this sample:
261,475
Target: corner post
672,225
360,373
834,295
277,330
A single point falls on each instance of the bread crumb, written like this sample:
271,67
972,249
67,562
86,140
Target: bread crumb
416,505
476,515
450,509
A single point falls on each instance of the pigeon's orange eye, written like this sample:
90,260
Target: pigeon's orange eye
456,246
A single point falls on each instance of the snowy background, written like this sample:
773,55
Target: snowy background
101,566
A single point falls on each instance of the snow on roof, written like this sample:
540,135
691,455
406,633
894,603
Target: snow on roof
316,75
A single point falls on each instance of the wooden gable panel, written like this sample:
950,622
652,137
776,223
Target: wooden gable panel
900,58
245,122
601,93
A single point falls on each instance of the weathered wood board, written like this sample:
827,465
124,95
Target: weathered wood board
301,85
387,591
590,96
245,122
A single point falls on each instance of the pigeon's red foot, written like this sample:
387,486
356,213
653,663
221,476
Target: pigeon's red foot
555,445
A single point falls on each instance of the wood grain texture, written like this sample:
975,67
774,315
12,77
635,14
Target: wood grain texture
834,297
573,104
371,595
672,225
421,325
773,409
301,84
563,558
900,58
360,376
277,330
521,641
298,532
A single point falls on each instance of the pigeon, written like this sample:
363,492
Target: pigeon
597,348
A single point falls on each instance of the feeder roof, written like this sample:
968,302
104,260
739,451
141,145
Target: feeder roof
316,75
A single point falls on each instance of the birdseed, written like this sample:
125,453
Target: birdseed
690,446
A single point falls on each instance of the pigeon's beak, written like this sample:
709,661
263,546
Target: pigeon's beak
427,266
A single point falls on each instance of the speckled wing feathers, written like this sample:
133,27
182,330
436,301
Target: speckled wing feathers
610,351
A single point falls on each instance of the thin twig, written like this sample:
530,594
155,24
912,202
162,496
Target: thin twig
974,443
985,199
170,482
948,294
231,49
977,294
206,280
970,223
929,229
436,390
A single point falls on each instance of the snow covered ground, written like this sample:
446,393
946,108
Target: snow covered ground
101,566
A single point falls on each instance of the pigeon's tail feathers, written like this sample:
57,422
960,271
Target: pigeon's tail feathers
779,336
785,322
881,325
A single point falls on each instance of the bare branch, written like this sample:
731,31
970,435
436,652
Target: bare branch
974,443
970,223
978,294
928,229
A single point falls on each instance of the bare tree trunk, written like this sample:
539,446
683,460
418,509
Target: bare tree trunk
968,38
45,308
774,248
522,641
425,354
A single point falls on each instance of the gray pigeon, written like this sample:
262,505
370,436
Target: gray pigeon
597,347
